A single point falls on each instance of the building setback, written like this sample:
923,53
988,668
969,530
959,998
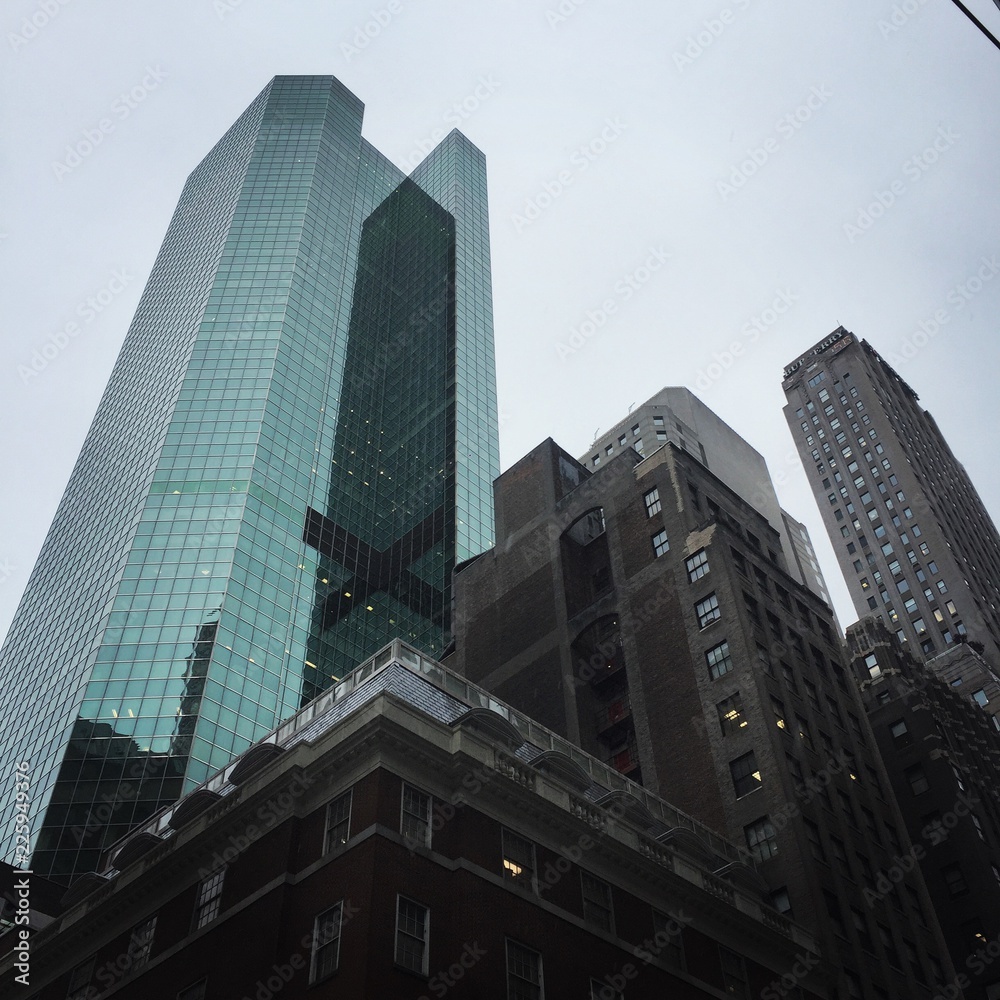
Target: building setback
913,538
644,612
942,754
406,835
297,443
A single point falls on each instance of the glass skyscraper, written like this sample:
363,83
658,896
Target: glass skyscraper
297,444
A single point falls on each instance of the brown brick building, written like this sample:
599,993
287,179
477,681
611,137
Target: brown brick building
407,835
942,754
644,610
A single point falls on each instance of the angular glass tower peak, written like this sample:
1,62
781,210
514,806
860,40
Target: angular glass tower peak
297,443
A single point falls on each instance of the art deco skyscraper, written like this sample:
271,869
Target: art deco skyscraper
297,443
915,542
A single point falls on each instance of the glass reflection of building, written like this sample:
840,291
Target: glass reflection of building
297,443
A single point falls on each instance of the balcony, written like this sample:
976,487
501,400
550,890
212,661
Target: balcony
613,717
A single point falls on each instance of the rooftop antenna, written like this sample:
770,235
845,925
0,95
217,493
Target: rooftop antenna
630,405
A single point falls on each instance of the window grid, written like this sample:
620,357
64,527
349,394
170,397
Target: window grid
412,927
415,822
209,898
524,973
326,943
338,821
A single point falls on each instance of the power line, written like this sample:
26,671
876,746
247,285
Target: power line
975,20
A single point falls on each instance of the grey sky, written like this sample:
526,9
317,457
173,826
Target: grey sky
742,140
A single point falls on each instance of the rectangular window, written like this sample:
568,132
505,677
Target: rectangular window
518,860
524,973
209,898
734,974
141,943
719,660
917,779
708,610
761,839
326,943
412,933
745,774
602,991
338,822
415,823
696,565
661,544
954,879
731,717
667,929
597,902
79,981
652,501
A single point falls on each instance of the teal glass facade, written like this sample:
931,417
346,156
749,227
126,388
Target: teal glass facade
297,443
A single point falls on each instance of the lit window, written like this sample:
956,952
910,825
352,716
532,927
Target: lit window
661,544
518,860
708,610
652,501
731,717
415,824
209,898
326,943
697,565
338,822
719,660
745,774
524,973
412,932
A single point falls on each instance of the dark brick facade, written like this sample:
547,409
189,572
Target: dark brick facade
638,654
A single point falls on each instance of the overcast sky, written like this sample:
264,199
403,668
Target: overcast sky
663,176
